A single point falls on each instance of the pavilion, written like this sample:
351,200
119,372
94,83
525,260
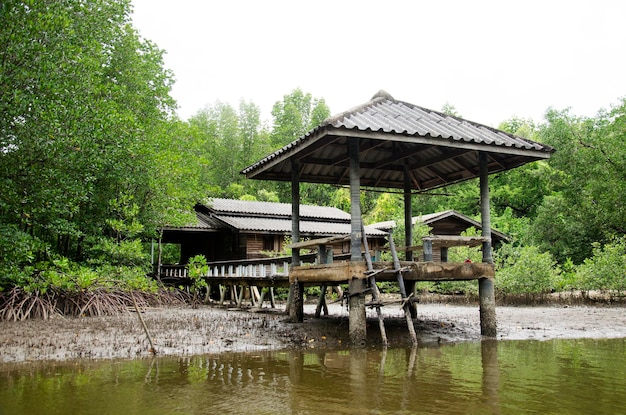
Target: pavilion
390,144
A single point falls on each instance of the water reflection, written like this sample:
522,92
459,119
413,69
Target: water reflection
575,376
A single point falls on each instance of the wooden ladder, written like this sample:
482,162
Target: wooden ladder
406,300
376,300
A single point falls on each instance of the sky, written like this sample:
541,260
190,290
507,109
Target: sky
491,60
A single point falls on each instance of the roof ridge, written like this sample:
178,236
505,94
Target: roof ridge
380,96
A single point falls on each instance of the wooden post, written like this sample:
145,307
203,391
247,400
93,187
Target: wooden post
357,284
486,292
324,256
428,249
222,294
261,298
296,307
160,257
272,298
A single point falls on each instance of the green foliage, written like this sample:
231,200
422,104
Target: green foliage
295,115
450,109
104,250
606,269
468,288
86,126
197,269
387,207
228,140
19,253
525,270
586,205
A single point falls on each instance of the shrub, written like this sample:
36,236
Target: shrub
605,269
525,270
197,269
19,252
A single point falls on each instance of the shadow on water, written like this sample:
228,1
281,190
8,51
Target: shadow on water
564,376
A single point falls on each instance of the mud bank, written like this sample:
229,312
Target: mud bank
177,331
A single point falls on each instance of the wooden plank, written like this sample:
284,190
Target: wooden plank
438,271
312,243
444,241
448,241
340,272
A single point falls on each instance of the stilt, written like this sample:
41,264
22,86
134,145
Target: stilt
321,303
324,256
222,294
255,296
357,285
261,298
272,298
406,301
356,313
240,298
375,291
296,311
488,325
486,293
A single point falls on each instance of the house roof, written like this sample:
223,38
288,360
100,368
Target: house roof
433,218
272,209
269,217
434,148
310,228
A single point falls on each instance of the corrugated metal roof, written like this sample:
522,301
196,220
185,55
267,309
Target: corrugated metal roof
252,216
435,148
250,224
203,222
246,207
435,217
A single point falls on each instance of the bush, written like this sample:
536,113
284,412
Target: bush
606,269
525,270
198,269
108,251
19,252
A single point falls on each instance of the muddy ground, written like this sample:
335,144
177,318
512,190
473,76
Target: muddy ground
210,329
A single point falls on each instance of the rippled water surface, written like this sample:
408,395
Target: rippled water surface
552,377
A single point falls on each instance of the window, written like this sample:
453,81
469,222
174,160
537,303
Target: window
269,243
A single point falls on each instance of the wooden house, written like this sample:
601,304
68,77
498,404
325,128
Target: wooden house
448,223
227,229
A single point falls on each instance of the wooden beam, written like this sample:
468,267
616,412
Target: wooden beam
445,142
321,241
339,272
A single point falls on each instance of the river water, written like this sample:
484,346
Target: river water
489,377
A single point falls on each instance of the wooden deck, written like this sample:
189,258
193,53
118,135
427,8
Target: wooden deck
252,279
278,272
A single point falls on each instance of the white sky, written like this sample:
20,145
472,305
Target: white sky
490,59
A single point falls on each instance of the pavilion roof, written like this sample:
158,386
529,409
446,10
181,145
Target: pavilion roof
435,149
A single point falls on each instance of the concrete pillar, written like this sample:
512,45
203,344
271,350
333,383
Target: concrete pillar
408,213
486,292
409,286
356,316
487,298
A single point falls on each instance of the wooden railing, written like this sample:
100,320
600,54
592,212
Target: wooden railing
253,268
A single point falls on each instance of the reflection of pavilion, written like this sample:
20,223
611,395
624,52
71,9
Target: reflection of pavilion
387,143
